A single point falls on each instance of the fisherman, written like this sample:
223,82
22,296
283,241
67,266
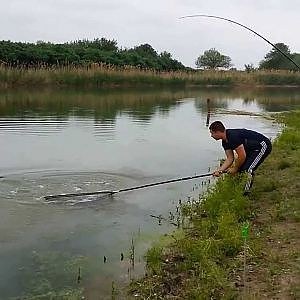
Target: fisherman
250,146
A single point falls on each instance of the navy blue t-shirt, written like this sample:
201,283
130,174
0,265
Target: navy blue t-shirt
249,138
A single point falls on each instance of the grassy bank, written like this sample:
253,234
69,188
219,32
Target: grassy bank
103,75
209,259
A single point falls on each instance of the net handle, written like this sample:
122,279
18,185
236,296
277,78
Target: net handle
49,197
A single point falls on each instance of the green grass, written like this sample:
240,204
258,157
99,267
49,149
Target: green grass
196,261
206,261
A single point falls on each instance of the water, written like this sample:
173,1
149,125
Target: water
75,141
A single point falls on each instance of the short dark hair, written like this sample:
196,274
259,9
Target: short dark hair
217,126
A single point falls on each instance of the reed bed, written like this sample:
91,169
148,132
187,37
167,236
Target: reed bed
98,75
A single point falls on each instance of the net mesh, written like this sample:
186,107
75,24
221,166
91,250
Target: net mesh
73,200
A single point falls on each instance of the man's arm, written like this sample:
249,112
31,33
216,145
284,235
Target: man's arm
226,164
241,157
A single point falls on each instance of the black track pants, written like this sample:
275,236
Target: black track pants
254,159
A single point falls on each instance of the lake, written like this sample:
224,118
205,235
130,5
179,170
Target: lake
68,141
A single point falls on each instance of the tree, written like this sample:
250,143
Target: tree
84,53
105,44
249,68
213,59
296,58
145,50
275,60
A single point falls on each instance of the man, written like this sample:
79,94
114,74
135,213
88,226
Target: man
250,146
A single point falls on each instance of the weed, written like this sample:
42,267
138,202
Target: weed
283,164
154,258
269,185
290,139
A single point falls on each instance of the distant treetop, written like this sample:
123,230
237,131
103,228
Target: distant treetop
84,52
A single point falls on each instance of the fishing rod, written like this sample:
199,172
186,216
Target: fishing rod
237,23
50,197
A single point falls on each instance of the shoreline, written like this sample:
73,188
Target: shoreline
134,86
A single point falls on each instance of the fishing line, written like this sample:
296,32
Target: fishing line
237,23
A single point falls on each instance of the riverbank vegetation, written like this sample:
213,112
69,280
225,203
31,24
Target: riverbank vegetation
101,75
101,63
236,246
104,51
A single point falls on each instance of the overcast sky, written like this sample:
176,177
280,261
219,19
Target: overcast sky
156,22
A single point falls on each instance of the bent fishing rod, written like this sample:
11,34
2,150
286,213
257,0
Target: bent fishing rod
50,197
239,24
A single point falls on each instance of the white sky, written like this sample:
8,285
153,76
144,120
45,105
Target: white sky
156,22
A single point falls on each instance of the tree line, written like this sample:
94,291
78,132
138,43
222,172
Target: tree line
144,56
85,52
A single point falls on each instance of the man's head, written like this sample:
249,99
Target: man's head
217,130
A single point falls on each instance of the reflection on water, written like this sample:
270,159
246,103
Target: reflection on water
44,112
87,140
34,126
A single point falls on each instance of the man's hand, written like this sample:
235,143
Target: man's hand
233,171
217,173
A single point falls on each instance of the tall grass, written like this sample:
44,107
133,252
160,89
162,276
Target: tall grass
97,75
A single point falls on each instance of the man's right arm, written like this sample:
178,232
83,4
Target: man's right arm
226,164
